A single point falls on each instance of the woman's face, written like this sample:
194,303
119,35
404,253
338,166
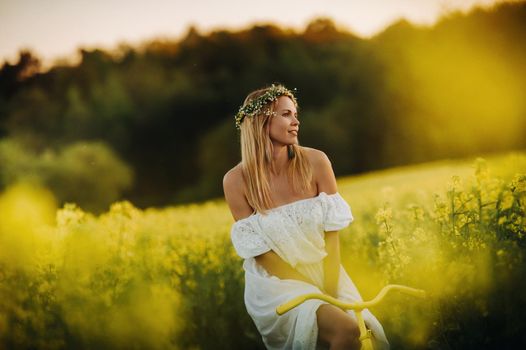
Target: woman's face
284,124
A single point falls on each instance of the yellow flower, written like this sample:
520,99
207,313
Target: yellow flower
507,201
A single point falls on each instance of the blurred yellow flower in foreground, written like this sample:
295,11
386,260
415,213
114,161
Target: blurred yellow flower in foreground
24,213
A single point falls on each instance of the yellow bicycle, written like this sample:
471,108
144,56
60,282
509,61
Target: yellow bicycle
365,334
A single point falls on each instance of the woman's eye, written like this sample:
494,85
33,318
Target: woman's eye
288,114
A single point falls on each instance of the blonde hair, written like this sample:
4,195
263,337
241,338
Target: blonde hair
256,157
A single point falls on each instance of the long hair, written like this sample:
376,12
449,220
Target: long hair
256,157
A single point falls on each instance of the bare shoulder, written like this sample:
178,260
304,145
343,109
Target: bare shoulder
233,182
233,188
322,170
316,157
234,173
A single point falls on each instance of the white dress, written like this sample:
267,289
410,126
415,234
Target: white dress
294,231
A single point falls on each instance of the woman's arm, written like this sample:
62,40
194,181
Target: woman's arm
326,182
331,263
276,266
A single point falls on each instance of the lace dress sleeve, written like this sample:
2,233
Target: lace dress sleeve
246,239
336,212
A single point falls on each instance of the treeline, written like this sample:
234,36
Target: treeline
154,124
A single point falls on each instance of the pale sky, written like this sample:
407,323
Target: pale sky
54,29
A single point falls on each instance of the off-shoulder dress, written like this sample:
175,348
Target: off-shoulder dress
295,231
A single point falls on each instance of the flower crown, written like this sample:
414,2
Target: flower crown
255,106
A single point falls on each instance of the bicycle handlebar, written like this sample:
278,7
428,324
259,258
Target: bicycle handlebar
283,308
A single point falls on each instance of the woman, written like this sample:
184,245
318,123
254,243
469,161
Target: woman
288,212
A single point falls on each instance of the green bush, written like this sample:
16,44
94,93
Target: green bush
87,173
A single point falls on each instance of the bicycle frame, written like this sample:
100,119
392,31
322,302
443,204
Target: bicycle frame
365,334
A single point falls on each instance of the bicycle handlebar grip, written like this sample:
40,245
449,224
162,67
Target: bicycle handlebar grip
419,293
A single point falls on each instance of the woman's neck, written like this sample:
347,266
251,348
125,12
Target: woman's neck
280,160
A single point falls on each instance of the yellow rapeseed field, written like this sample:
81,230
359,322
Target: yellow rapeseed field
169,278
